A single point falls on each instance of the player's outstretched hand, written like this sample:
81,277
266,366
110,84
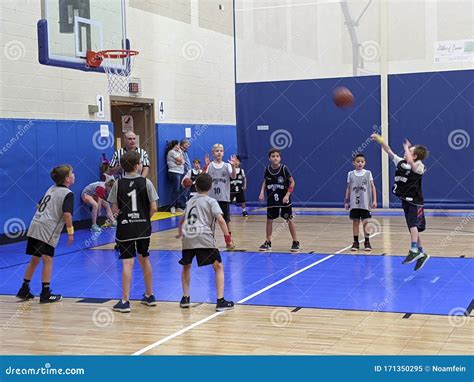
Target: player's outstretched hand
377,138
232,160
407,144
207,160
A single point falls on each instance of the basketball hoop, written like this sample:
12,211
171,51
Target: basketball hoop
118,67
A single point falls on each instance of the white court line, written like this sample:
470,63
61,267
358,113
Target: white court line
214,315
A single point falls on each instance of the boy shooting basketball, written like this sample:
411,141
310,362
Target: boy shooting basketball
133,199
52,213
360,198
407,187
222,173
196,229
279,185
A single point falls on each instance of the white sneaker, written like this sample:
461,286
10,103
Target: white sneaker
173,210
179,210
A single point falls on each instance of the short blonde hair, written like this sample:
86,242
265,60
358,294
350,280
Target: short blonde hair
217,146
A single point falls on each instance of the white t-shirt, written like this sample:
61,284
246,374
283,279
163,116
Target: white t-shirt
419,170
359,173
171,161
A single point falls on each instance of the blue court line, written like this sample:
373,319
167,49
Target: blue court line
14,254
346,282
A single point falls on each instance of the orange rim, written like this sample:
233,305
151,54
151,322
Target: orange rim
116,53
94,59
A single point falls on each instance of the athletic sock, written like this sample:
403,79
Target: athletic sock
220,299
26,283
356,239
366,238
45,287
414,246
420,249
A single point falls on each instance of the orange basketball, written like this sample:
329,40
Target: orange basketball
187,182
343,97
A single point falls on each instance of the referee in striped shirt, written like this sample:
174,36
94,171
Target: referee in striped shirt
130,141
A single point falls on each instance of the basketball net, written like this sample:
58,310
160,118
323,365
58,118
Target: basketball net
117,65
118,74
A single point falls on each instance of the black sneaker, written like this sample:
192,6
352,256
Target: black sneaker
412,256
367,246
420,263
295,247
223,305
122,307
267,246
150,300
245,214
185,302
25,294
48,297
355,246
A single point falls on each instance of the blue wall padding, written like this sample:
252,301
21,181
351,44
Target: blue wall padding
35,147
202,139
426,108
323,137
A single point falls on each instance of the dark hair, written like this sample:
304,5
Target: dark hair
358,155
238,158
60,173
170,146
421,152
204,182
129,160
272,151
197,161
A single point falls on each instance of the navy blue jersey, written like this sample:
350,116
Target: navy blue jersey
277,183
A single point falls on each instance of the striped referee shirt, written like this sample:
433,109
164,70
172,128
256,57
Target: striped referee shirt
118,154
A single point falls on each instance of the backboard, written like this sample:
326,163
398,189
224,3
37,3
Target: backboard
70,28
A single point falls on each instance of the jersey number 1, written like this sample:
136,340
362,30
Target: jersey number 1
133,196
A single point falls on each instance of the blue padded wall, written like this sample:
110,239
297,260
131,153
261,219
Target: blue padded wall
28,151
322,136
202,139
426,108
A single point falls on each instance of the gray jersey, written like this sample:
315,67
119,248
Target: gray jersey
199,222
220,182
361,195
48,221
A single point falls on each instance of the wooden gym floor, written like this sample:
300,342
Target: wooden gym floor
269,323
